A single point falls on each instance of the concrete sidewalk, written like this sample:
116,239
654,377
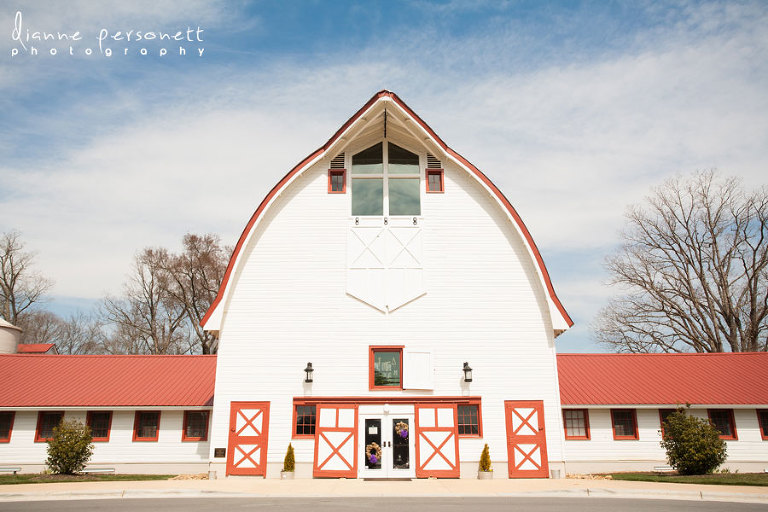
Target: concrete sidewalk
250,487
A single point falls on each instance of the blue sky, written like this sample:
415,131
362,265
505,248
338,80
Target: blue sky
574,109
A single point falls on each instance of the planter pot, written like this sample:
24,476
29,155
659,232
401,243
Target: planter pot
485,475
286,475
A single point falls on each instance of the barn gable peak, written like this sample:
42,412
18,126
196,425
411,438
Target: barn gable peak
385,111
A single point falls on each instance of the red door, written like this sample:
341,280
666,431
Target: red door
248,429
437,445
526,439
336,441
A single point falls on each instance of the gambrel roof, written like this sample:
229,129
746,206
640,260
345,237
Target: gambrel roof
386,107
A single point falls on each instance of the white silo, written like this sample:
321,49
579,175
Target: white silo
10,335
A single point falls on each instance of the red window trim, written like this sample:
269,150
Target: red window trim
731,419
441,172
383,348
136,427
109,426
368,400
763,431
39,439
13,417
478,403
184,427
634,437
586,426
296,404
661,419
343,173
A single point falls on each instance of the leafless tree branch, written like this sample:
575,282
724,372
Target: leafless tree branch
694,263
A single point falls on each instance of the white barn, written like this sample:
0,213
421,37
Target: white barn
386,312
387,261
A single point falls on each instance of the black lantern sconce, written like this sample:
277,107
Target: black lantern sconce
467,373
308,370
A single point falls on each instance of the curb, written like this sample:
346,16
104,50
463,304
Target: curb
647,494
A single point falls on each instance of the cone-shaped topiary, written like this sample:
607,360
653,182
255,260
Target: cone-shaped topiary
289,464
485,460
70,448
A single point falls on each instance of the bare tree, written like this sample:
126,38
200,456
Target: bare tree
195,276
20,286
694,264
78,334
39,327
147,319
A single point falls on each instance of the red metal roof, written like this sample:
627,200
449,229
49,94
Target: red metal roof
33,348
106,380
606,379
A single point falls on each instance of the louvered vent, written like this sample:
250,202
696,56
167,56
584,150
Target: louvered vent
338,161
433,163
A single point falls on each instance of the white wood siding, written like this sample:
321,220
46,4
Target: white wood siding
602,448
168,449
484,304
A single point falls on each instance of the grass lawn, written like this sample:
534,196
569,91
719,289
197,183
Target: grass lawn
714,479
38,478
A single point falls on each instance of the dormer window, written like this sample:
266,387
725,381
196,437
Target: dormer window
385,181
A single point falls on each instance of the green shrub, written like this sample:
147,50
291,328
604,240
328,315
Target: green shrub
693,445
70,448
289,464
485,459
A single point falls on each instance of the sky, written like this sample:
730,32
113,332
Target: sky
576,110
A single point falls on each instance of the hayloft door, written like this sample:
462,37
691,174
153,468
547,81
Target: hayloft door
526,439
248,434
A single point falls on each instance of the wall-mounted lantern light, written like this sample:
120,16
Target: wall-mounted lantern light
308,370
467,373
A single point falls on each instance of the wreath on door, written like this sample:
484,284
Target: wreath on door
401,428
373,452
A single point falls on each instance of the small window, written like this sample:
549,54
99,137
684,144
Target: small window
576,422
723,421
100,423
6,426
195,426
337,181
435,180
762,418
663,413
624,424
469,420
304,423
46,422
146,426
385,365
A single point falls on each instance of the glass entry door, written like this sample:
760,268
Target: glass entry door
386,449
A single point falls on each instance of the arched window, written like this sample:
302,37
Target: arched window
385,181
